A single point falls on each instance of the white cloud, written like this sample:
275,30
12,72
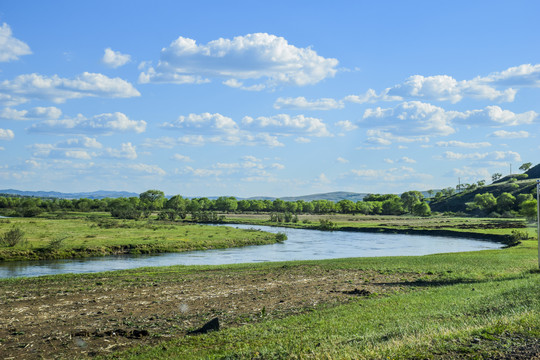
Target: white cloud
181,157
391,175
99,124
6,134
489,156
203,172
284,123
301,103
267,60
469,173
146,168
494,115
370,97
302,140
525,75
455,143
278,166
346,125
76,148
36,113
204,123
323,179
126,151
403,159
342,160
510,134
38,87
115,59
10,47
412,119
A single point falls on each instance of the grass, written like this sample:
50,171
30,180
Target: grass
467,305
80,236
474,305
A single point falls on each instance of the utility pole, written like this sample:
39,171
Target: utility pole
538,217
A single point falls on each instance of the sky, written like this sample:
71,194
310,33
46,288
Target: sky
260,98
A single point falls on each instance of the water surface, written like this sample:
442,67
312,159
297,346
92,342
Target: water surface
300,245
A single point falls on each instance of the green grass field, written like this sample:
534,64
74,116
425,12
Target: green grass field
478,305
82,236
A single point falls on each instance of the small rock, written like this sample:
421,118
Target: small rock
212,325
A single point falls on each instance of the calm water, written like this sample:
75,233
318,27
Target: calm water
300,245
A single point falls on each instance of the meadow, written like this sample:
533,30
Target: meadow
476,305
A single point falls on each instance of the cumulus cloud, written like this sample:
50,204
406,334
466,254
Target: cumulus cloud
342,160
77,148
494,115
301,103
413,118
284,123
6,134
205,122
181,157
498,86
417,121
510,134
37,113
263,59
54,88
11,48
488,156
126,151
115,59
346,125
147,169
456,143
108,123
302,140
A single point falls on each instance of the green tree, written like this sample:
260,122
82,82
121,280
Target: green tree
152,199
392,207
529,209
410,198
496,176
421,209
505,202
525,166
486,201
346,206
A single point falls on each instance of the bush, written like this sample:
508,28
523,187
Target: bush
56,243
281,237
326,224
13,237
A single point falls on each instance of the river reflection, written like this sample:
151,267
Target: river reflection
300,245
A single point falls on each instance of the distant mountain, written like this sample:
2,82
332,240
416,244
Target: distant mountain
101,194
332,196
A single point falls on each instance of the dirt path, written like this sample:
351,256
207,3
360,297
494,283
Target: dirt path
98,315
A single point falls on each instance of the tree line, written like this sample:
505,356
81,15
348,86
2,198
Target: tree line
155,202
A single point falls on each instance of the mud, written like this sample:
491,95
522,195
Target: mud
89,316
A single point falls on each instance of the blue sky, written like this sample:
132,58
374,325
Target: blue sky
250,98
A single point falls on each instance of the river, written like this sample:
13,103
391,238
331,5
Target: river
300,245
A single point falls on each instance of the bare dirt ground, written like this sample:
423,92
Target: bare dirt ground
89,316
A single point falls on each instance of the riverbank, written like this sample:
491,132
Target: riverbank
464,305
81,236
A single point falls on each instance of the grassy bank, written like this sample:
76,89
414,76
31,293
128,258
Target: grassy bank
479,305
81,236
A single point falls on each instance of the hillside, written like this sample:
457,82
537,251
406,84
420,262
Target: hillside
101,194
458,202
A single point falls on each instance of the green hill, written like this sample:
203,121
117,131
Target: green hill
513,184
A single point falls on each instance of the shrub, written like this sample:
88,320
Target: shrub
13,237
281,237
56,243
326,224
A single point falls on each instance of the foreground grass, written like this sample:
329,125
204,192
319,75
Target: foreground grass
83,236
468,305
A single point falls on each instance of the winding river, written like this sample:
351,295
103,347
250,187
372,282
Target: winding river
300,245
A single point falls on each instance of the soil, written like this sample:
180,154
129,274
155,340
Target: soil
98,315
86,316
